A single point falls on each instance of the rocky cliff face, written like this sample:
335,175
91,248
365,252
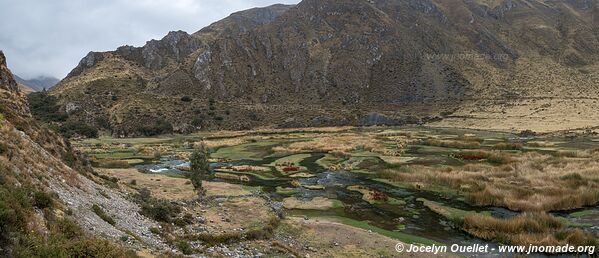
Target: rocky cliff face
335,62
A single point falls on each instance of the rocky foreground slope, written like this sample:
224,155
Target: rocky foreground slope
505,64
47,191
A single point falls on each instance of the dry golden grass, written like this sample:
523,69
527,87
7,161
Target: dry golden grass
508,146
531,182
222,142
526,229
339,143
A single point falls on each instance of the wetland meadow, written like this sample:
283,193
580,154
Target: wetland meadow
294,192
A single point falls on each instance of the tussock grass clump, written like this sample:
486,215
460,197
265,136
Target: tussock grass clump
526,229
463,143
529,182
493,157
508,146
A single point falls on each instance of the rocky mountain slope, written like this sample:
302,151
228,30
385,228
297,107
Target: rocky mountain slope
505,64
47,191
39,83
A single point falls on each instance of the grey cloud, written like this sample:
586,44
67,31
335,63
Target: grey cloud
49,37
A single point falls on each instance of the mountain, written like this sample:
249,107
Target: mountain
39,83
505,64
25,89
48,189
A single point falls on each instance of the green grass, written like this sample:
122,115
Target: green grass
286,191
327,161
455,215
445,191
584,213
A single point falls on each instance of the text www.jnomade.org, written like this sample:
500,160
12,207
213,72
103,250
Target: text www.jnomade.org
482,249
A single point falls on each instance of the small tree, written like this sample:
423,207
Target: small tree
200,168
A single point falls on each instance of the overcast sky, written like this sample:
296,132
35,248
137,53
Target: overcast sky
49,37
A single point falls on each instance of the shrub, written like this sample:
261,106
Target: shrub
185,248
144,195
200,168
73,128
160,210
69,158
100,212
197,121
103,122
186,99
160,126
42,200
155,231
45,107
4,150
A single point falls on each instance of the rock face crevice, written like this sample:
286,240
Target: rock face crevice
345,57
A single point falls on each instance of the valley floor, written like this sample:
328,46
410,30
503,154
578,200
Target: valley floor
355,192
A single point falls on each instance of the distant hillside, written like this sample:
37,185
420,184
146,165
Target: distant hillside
25,89
504,64
39,83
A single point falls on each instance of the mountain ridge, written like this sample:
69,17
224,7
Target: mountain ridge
38,83
344,62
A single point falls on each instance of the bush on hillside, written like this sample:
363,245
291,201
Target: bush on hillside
159,127
45,107
71,129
